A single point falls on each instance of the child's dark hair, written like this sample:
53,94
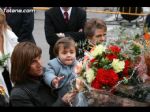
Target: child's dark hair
66,41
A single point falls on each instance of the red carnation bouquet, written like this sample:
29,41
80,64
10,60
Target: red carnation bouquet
104,67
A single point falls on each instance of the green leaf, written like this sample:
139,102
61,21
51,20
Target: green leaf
125,81
4,58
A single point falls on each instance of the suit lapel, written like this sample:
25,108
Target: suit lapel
59,17
72,20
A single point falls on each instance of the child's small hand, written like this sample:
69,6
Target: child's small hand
55,81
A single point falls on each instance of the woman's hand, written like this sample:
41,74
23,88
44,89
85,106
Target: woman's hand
68,97
79,85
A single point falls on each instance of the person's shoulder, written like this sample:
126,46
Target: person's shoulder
53,62
51,10
16,92
79,9
148,16
11,36
10,32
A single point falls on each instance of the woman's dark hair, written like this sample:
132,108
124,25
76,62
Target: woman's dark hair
21,59
66,42
93,24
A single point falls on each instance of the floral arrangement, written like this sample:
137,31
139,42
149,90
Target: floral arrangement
114,68
3,59
104,66
4,99
2,90
147,37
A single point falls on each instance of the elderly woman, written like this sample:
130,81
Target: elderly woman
95,31
8,40
27,76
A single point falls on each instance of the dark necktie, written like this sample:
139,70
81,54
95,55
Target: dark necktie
66,17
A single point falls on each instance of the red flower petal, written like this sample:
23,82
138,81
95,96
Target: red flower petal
106,77
114,49
111,57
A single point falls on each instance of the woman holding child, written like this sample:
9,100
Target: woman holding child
27,76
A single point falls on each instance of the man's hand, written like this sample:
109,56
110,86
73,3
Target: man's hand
81,30
55,81
60,35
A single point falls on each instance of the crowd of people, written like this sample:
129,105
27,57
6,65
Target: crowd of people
25,81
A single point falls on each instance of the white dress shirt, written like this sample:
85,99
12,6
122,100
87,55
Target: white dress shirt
69,11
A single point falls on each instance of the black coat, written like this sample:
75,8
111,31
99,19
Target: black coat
55,23
22,24
147,21
41,94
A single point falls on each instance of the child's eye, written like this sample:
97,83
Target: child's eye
64,53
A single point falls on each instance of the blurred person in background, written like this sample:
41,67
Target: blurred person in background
8,41
95,32
64,21
21,20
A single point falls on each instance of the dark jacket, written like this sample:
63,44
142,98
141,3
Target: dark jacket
22,24
83,46
147,21
41,94
55,23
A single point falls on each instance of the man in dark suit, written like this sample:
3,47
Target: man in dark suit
22,23
59,24
147,21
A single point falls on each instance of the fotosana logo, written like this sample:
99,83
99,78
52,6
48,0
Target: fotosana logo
9,10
